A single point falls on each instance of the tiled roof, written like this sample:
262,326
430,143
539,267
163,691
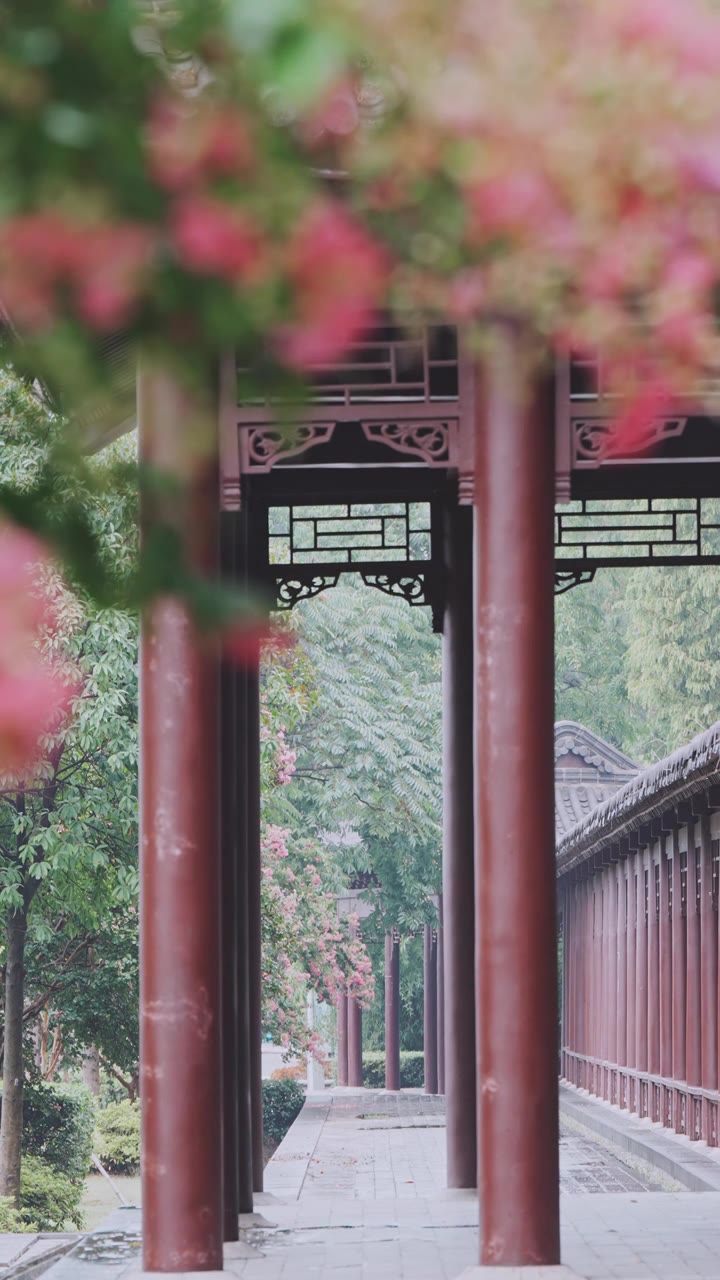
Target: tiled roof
588,770
679,776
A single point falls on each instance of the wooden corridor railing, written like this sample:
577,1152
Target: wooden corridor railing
638,881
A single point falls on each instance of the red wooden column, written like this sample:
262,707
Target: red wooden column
708,974
693,1033
244,1037
230,924
565,914
430,1030
584,927
653,971
587,1007
621,1011
612,900
458,851
342,1039
598,970
441,998
354,1041
679,971
641,995
254,877
244,1073
570,975
631,916
666,972
602,984
180,921
516,958
392,1011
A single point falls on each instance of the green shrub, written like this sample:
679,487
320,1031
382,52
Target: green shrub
49,1200
412,1069
117,1136
282,1102
10,1218
58,1122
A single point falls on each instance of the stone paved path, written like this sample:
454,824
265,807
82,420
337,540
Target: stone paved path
356,1193
21,1250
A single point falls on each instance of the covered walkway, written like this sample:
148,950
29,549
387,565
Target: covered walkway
357,1190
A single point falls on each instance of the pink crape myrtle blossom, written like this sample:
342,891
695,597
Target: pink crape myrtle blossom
35,694
338,275
99,265
212,238
188,144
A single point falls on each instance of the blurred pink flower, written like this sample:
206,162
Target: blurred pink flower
33,696
187,143
338,275
212,238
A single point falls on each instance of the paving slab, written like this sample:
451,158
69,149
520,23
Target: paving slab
356,1192
693,1165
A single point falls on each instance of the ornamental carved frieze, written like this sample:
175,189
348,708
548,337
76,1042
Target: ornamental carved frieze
292,587
263,446
419,588
566,579
429,441
593,438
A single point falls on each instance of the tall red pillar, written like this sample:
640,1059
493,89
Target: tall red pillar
653,968
641,997
516,964
612,982
354,1042
666,971
244,1037
679,970
631,916
430,1030
621,1007
693,1034
392,1011
342,1039
440,999
458,851
254,879
708,974
180,918
230,917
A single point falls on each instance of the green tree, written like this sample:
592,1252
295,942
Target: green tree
68,835
369,753
590,653
673,654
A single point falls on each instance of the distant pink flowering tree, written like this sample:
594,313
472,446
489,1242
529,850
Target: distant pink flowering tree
36,685
306,947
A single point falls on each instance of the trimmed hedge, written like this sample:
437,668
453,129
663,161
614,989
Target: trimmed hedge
412,1069
117,1136
282,1103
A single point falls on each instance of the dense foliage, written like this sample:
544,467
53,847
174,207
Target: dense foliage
412,1069
638,657
58,1127
57,1142
49,1199
282,1103
117,1136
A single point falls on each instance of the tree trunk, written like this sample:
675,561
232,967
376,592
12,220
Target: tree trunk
13,1073
91,1069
